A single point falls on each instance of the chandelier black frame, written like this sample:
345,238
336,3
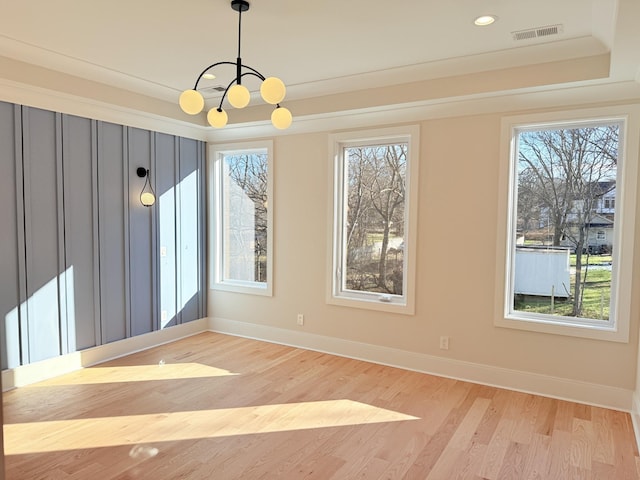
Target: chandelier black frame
272,89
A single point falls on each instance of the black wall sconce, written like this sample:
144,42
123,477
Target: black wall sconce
147,196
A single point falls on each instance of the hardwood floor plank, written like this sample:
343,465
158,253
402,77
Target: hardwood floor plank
497,449
582,444
623,448
410,439
445,465
603,451
582,412
537,461
460,441
602,470
470,462
546,419
322,446
318,468
560,449
465,431
215,406
564,416
514,463
430,454
372,470
526,419
492,417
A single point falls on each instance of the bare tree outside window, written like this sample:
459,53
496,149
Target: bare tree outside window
375,217
245,206
562,176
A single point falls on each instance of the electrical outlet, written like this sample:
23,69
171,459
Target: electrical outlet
300,319
444,343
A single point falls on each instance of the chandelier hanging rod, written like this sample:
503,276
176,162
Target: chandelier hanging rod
253,72
272,89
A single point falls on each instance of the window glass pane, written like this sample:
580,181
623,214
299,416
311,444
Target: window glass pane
374,218
244,216
564,221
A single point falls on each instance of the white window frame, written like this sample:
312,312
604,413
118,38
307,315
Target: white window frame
216,280
404,304
617,328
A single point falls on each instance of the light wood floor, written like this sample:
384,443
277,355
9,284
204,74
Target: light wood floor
219,407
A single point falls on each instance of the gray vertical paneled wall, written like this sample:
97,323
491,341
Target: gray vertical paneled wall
113,198
11,219
40,325
166,185
81,252
84,263
143,272
190,231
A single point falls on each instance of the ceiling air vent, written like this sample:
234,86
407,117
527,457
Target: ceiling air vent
215,88
537,32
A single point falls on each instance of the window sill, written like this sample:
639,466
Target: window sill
371,304
249,288
557,327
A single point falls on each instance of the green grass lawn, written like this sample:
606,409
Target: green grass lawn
596,299
593,259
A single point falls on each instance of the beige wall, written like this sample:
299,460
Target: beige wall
456,263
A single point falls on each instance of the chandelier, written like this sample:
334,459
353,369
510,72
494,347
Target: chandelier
272,89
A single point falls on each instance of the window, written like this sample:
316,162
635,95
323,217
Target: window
241,199
562,253
374,219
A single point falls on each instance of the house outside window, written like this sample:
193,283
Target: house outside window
609,203
241,209
374,219
563,249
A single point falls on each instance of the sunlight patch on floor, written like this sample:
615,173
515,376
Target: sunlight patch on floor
39,437
136,373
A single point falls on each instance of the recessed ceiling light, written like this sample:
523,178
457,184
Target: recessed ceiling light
484,20
208,76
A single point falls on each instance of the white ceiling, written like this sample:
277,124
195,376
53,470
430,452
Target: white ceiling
323,47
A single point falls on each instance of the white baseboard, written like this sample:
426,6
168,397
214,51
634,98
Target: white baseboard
42,370
546,385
